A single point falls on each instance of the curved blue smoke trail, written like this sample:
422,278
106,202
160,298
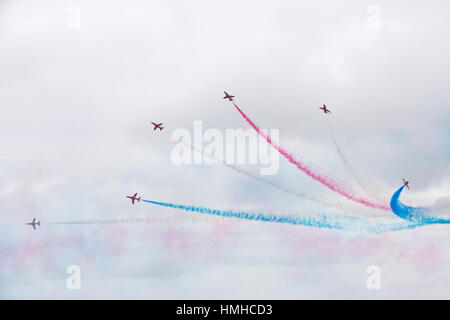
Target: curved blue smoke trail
323,221
421,215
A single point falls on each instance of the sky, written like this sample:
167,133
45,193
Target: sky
80,82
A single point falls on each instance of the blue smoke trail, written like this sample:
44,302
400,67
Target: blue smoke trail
323,221
422,215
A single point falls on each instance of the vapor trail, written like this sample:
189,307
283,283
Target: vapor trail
260,179
344,159
339,205
325,180
323,221
136,220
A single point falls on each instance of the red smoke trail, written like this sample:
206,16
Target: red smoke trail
326,181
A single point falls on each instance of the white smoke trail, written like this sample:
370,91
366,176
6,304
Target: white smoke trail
144,220
349,167
344,159
339,205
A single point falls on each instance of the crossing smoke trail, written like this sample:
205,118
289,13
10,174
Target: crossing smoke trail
260,179
412,217
323,221
301,195
326,181
344,159
422,215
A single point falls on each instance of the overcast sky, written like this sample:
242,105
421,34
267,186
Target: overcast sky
75,138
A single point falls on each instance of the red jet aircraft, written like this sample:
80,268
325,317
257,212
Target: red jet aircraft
157,126
405,183
34,223
134,198
325,110
227,96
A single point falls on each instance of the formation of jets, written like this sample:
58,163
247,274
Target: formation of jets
34,223
134,198
157,126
